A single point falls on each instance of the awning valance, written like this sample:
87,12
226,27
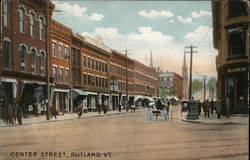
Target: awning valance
61,90
80,92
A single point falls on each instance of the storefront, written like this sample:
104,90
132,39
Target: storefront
32,97
62,100
8,90
232,84
79,98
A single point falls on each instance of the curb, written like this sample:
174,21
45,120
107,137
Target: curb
57,120
213,123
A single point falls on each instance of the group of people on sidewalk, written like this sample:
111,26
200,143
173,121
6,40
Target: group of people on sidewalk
213,107
11,113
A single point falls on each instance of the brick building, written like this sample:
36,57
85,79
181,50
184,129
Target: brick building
171,84
231,31
60,68
24,53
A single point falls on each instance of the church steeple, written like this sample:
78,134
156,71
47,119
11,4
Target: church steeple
151,60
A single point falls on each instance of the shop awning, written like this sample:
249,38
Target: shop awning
61,90
91,93
8,80
137,98
34,82
80,92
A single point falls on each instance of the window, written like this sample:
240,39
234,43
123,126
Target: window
33,61
93,80
41,28
84,79
105,67
32,25
84,61
236,42
6,13
66,53
100,66
100,81
96,65
23,58
93,63
237,8
21,20
67,76
61,74
96,81
88,62
60,51
42,63
54,49
89,80
6,54
55,74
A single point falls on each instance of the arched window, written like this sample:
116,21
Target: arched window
7,54
6,13
41,28
32,24
33,61
21,20
23,58
42,63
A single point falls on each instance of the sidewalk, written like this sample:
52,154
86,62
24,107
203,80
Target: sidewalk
213,120
68,116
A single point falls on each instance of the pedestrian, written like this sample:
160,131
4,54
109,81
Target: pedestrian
53,110
228,107
14,107
218,108
19,115
10,114
212,106
206,108
199,107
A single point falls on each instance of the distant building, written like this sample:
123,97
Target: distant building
231,30
170,84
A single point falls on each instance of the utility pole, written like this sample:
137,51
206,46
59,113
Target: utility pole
204,88
1,39
126,54
158,89
48,59
190,74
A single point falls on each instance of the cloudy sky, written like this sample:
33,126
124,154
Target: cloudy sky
165,27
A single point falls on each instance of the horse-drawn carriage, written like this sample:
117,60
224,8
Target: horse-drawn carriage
157,109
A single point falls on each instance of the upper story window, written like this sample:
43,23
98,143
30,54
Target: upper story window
93,63
60,51
33,60
32,24
21,20
23,58
96,65
55,73
42,63
6,13
54,49
41,28
84,61
88,62
237,8
7,54
66,53
236,38
61,74
67,76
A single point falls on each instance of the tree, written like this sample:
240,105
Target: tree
211,84
197,85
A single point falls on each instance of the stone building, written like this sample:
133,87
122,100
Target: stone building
231,30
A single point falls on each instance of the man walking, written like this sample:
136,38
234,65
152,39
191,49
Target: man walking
212,106
228,107
218,108
199,107
206,108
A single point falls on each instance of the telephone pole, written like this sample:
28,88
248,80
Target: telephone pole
158,89
191,63
204,88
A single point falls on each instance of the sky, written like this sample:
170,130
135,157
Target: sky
163,27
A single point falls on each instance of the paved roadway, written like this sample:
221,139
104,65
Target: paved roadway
124,137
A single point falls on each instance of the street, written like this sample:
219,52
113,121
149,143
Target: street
124,137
